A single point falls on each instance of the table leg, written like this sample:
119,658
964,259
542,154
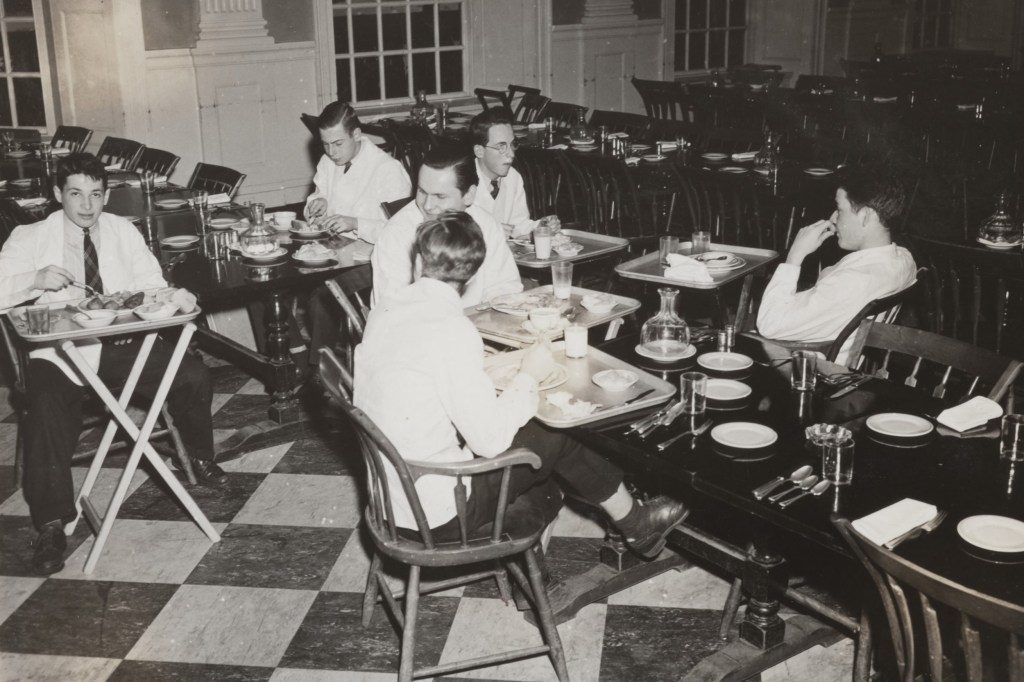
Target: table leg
281,375
744,304
762,625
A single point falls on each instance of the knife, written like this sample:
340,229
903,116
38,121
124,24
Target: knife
639,396
850,387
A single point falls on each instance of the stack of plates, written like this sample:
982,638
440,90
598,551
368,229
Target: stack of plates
720,260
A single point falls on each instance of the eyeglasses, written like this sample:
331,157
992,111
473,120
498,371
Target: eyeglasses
504,147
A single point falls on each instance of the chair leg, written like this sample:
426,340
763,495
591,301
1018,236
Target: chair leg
501,578
19,450
370,593
545,618
412,602
179,446
732,605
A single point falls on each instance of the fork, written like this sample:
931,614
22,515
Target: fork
696,432
84,287
779,362
917,531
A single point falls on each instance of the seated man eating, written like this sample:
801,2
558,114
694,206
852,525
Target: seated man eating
419,374
868,202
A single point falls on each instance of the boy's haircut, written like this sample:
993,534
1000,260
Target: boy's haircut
338,112
80,163
479,128
877,188
451,248
458,159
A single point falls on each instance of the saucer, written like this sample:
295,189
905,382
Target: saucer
261,257
1000,246
179,242
737,170
993,533
898,425
725,362
170,203
818,171
690,351
714,156
315,263
724,390
744,435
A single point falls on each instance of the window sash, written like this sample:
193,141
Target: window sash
683,36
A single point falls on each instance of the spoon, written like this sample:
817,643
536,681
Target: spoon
818,489
802,472
696,432
804,484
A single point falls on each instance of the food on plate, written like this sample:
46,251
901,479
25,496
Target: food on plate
571,407
314,252
303,226
121,300
598,303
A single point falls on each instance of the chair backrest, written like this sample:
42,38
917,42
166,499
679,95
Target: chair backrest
974,294
635,125
516,93
606,196
379,455
724,204
310,121
546,182
73,137
530,108
898,581
119,151
411,143
216,179
662,99
390,208
492,98
351,290
16,357
563,113
924,356
883,309
157,161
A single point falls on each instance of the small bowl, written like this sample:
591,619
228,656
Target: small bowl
283,219
614,380
598,303
94,318
545,319
568,249
155,311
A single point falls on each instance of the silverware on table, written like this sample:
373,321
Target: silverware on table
639,396
695,432
850,387
649,419
84,287
917,530
819,488
763,490
803,484
778,362
670,416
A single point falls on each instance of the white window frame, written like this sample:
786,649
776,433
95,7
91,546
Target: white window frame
670,25
327,58
42,42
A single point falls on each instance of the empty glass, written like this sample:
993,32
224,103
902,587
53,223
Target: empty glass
837,461
693,392
667,245
38,319
805,370
701,242
561,279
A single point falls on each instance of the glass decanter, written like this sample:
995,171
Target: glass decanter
580,131
767,157
1000,227
260,238
665,335
421,111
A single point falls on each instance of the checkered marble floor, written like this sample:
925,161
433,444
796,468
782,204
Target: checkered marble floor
279,597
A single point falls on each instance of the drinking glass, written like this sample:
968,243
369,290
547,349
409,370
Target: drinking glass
147,180
805,370
575,341
668,244
8,137
542,241
837,461
701,242
1011,439
38,319
693,392
561,279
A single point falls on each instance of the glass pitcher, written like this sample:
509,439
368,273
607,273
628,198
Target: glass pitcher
665,335
1001,227
421,111
768,156
260,238
580,131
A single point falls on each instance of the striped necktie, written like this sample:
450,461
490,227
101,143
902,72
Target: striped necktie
494,188
92,262
348,164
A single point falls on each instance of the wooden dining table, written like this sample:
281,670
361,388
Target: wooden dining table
758,542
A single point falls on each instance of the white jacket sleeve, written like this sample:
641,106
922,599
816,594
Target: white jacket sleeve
18,269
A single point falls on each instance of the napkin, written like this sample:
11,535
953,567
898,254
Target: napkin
135,182
61,151
667,145
884,100
969,415
687,269
570,406
29,203
744,156
221,198
632,160
536,126
558,146
893,521
114,167
612,136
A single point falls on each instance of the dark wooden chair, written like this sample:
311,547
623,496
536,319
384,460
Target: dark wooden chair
121,152
157,161
724,204
351,290
606,199
410,144
563,113
662,99
974,294
310,121
516,93
530,108
215,179
922,356
492,98
74,138
390,208
494,553
546,182
634,125
916,602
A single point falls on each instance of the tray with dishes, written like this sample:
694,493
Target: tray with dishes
731,263
114,314
578,245
506,320
570,396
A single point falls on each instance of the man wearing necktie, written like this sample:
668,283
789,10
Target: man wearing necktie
494,145
38,262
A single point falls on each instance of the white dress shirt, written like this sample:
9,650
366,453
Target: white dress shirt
419,375
125,264
374,177
392,257
821,312
509,207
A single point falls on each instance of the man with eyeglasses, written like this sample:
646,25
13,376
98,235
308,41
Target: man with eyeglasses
501,192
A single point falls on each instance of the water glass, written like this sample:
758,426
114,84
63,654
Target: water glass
147,180
837,461
542,241
805,370
442,116
668,244
1011,438
549,125
575,341
693,392
561,279
701,242
38,319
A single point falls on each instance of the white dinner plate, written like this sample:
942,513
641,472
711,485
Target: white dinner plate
994,245
223,223
738,170
271,255
314,262
818,171
615,379
761,171
899,425
994,533
688,353
503,374
714,156
744,435
180,241
23,182
521,304
724,362
170,203
726,389
18,155
585,147
652,158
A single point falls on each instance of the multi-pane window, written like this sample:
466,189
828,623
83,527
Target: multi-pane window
389,49
709,34
21,83
933,23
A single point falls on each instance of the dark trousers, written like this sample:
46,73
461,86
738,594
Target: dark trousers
535,495
54,420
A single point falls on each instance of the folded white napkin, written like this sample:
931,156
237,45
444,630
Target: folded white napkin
221,198
893,521
558,146
135,182
61,151
612,136
687,269
744,156
632,160
969,415
536,126
884,100
667,145
570,406
113,167
29,203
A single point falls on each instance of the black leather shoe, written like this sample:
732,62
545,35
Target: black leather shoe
49,548
207,471
646,526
